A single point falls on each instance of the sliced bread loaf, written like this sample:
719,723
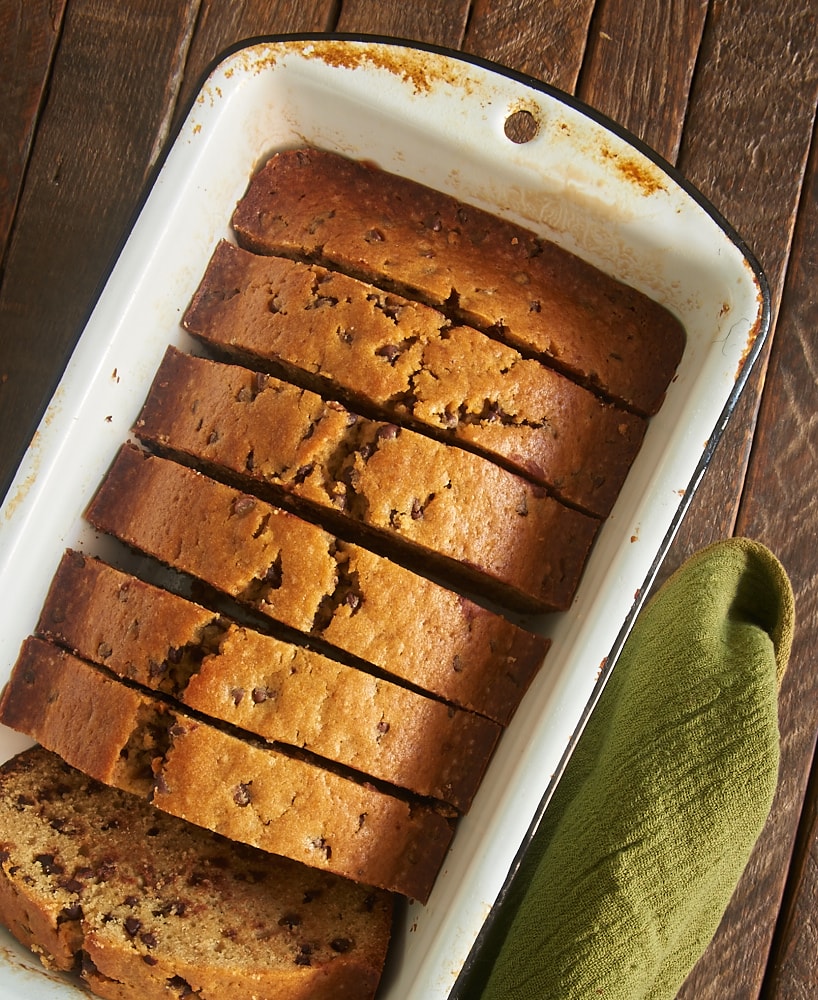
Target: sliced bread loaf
401,360
298,574
147,907
420,501
483,270
251,793
285,693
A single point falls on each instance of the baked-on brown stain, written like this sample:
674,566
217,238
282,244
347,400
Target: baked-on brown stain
638,173
422,69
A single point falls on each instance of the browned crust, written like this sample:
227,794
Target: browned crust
302,576
94,879
254,795
424,502
488,272
274,689
402,361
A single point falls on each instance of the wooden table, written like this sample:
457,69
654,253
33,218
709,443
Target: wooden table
725,90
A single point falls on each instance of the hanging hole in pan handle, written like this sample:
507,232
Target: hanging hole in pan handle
521,126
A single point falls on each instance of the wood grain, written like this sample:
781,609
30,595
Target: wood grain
79,199
745,145
651,56
727,89
440,23
780,509
792,972
29,32
545,40
222,25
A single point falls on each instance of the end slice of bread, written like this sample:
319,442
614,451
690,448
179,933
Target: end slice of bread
143,905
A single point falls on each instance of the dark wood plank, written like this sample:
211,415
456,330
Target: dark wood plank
745,146
28,37
639,66
90,163
221,25
792,973
544,40
779,508
440,23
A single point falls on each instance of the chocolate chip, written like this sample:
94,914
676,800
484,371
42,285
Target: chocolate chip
181,986
237,694
321,845
389,351
132,925
49,864
388,432
340,944
289,920
105,870
243,505
323,300
148,939
304,954
241,794
374,236
156,669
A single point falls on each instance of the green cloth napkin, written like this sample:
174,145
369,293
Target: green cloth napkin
663,799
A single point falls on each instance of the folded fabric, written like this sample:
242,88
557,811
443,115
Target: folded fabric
663,799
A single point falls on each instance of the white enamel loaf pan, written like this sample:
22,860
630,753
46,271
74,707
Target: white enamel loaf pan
581,181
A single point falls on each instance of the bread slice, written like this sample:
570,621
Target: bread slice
147,907
402,361
423,502
285,693
482,270
295,573
248,792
